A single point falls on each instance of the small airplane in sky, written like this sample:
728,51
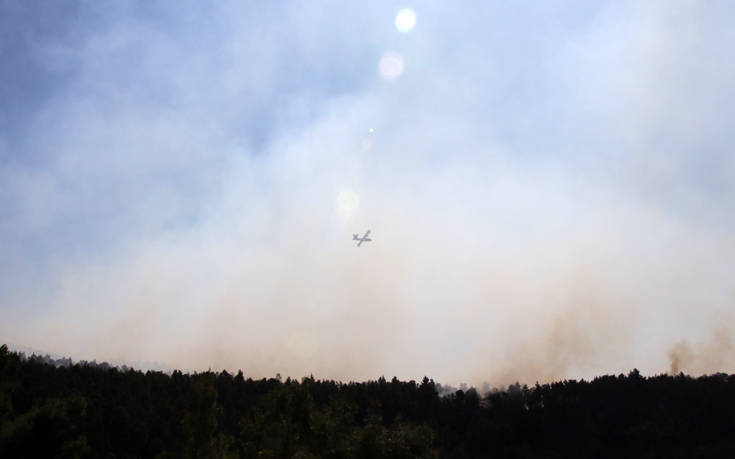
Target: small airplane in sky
365,238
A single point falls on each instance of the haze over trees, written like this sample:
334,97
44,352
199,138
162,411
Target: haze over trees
51,409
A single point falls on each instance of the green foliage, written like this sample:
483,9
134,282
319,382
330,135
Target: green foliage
48,430
97,411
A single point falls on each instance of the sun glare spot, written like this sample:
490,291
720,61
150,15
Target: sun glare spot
390,65
347,203
405,20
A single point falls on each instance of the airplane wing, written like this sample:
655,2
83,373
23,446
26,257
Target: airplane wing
360,240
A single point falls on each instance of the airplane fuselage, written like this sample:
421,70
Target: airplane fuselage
365,238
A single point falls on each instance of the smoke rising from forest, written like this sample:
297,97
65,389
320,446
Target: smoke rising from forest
540,208
713,353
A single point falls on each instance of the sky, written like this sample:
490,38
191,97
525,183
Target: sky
550,186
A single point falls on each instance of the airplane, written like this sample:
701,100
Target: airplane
365,238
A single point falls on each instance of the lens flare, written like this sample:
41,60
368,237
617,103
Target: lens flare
347,203
405,20
390,66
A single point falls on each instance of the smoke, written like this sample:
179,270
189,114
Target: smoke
715,353
680,355
542,206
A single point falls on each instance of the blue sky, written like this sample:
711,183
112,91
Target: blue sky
550,186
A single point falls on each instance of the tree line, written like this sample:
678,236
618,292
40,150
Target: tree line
95,410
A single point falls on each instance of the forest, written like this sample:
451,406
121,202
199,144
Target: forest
58,409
